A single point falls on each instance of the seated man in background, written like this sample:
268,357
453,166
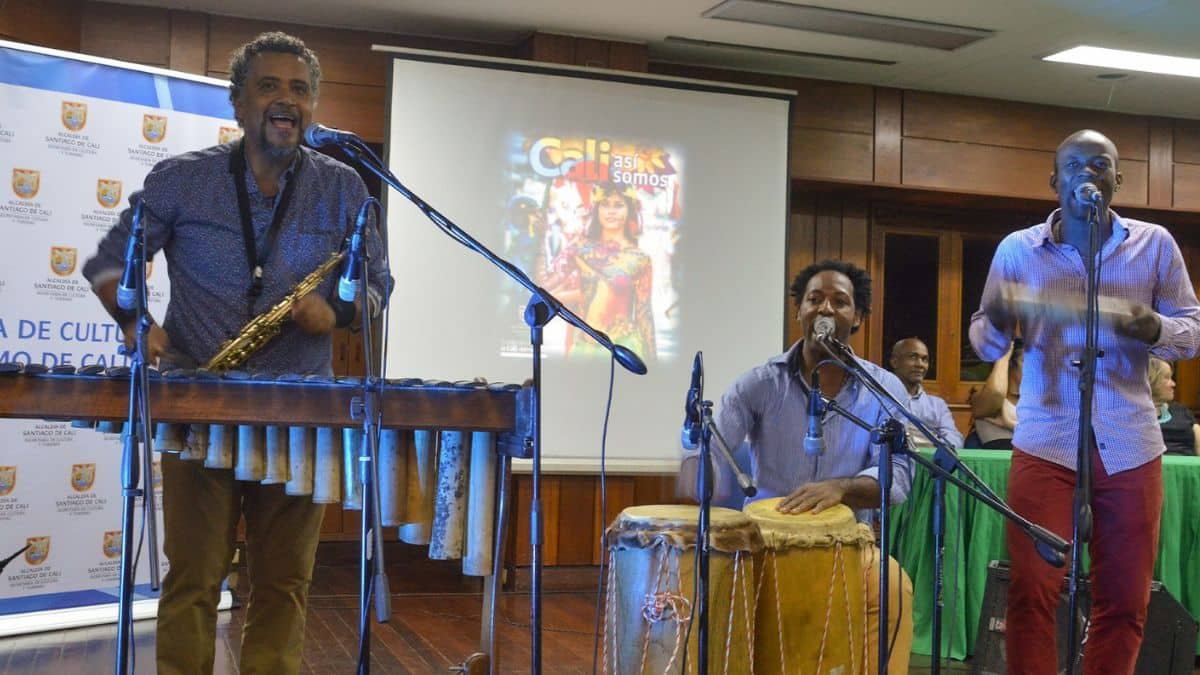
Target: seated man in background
994,406
767,407
910,362
1179,429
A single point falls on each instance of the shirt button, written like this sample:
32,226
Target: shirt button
1102,446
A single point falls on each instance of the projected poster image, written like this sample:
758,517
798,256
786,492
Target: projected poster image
595,222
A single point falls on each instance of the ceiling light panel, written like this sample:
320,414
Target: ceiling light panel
1120,59
849,24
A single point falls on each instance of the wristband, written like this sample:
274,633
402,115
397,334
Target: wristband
343,312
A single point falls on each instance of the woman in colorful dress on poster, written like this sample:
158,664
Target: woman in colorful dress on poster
614,275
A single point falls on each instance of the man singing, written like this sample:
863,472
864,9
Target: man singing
1037,283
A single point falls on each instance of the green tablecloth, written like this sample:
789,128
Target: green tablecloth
975,536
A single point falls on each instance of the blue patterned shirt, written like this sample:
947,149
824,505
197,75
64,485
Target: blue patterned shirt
1140,262
191,214
768,407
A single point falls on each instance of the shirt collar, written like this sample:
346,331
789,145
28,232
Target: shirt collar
287,175
1044,232
789,361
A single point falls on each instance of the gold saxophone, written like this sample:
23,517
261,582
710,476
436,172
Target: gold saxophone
262,328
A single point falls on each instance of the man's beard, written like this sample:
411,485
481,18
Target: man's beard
276,152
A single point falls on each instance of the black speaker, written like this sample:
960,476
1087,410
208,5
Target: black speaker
1169,646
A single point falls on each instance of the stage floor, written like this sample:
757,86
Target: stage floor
435,625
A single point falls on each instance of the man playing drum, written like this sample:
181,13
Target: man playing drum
260,202
768,408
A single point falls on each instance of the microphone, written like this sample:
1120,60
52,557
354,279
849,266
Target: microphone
4,563
690,436
824,328
319,135
352,274
1088,193
814,440
131,281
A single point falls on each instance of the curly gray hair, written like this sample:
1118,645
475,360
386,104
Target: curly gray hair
272,42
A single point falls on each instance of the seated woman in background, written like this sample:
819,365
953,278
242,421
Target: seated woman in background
1179,429
994,406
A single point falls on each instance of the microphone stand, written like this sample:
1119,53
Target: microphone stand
542,308
372,570
1081,513
137,429
708,434
892,440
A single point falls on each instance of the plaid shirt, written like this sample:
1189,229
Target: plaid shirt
1140,262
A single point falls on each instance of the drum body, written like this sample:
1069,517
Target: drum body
650,590
812,592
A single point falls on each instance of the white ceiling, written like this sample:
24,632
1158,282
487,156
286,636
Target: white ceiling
1006,65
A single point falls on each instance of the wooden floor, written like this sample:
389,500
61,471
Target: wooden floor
435,625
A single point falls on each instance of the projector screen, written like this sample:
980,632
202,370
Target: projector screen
655,209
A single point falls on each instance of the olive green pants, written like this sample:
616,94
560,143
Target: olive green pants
201,508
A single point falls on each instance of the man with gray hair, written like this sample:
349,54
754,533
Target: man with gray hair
240,224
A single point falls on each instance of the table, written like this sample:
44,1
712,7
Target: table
975,536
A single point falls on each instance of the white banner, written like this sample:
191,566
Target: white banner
77,136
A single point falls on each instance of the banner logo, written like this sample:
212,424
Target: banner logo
8,479
112,544
82,476
108,192
74,115
62,260
38,551
228,135
154,128
26,182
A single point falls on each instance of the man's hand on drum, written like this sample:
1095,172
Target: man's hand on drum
313,315
815,497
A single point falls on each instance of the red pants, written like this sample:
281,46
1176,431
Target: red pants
1125,514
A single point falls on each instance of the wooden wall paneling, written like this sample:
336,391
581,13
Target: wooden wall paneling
518,520
831,155
551,503
550,48
1160,169
1186,186
828,228
620,494
948,355
1003,171
127,33
48,23
577,533
591,53
888,123
345,55
354,106
856,249
875,265
1186,141
629,56
188,50
1012,124
655,489
1187,373
801,247
833,106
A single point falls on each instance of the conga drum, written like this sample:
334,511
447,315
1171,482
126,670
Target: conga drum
650,598
811,593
